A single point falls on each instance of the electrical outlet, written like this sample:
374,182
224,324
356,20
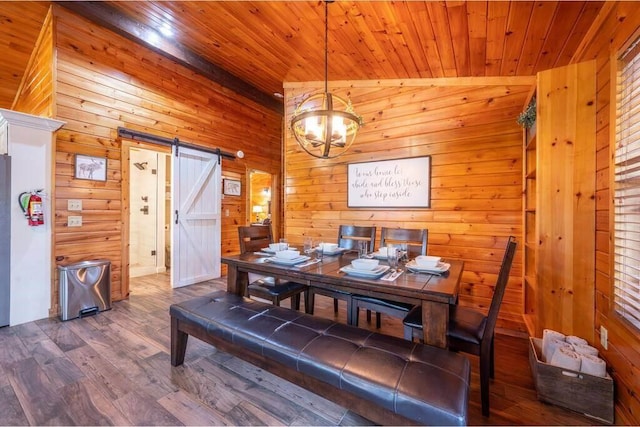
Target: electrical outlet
604,337
74,221
74,205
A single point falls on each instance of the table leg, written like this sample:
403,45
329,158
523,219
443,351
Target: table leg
237,281
435,321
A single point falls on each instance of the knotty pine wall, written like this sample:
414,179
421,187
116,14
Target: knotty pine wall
618,21
35,94
468,128
103,81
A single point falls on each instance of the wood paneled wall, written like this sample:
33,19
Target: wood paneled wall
468,127
617,23
103,81
35,94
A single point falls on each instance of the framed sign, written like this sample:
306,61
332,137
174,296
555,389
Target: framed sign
399,183
89,167
231,187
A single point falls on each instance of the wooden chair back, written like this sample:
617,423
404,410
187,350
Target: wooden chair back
416,239
498,293
348,235
254,238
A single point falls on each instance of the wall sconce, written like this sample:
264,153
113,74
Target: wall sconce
257,209
266,191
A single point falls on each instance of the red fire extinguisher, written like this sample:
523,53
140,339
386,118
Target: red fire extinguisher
31,205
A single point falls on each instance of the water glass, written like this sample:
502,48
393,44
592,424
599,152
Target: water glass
283,244
308,245
392,256
320,251
362,248
403,256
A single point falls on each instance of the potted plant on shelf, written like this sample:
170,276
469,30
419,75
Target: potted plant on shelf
527,118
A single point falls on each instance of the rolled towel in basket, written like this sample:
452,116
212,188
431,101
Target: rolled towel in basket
549,335
586,349
593,365
552,347
573,340
566,358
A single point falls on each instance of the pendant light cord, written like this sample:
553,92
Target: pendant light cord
326,46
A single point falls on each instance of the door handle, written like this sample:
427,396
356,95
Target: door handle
145,210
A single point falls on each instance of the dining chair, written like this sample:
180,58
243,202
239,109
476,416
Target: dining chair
348,236
416,241
471,331
253,239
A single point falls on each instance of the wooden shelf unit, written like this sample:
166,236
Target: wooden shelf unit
559,203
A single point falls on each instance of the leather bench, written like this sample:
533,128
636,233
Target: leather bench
385,379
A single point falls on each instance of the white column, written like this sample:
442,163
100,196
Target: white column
29,142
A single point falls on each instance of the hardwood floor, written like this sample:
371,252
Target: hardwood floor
113,369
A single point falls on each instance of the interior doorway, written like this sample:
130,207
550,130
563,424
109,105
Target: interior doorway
260,197
149,212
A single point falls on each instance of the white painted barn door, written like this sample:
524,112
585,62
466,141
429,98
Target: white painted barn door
196,182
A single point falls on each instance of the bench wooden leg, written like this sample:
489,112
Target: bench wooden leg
178,343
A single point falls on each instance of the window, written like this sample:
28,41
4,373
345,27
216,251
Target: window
627,187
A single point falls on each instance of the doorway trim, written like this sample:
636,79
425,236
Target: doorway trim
126,145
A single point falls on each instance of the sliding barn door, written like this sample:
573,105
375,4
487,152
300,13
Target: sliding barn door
196,247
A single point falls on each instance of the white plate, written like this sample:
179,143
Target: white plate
284,261
330,253
271,251
440,268
369,274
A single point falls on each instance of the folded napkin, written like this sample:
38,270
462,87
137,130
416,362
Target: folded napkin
593,365
566,358
552,347
392,277
549,335
585,349
573,340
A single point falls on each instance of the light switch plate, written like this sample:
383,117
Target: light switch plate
604,337
74,221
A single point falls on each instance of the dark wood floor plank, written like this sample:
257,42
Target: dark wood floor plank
30,334
266,398
38,397
156,380
12,349
189,411
11,412
60,333
108,379
62,371
88,407
323,408
247,413
143,410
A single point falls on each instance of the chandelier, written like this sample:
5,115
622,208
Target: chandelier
325,125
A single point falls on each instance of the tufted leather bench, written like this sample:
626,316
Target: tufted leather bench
385,379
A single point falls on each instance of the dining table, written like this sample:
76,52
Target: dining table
436,292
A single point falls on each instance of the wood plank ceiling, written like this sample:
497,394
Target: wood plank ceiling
267,43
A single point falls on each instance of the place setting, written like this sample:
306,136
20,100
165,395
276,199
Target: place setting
288,257
365,268
428,264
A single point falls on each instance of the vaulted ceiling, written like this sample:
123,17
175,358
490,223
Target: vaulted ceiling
265,43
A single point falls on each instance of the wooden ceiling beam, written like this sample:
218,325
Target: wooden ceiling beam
137,32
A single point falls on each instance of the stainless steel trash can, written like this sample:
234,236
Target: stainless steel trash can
85,288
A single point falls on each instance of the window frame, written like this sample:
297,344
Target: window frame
617,61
